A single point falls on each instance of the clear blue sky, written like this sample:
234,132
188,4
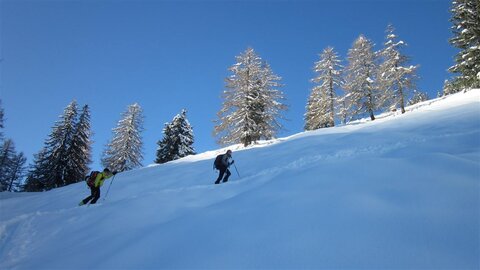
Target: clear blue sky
170,55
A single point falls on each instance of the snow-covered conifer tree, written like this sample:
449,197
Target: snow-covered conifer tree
52,165
360,79
418,96
252,103
466,37
395,78
38,173
59,144
124,152
320,111
165,146
177,141
448,88
80,149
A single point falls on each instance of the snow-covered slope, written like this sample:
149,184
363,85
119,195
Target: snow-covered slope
402,191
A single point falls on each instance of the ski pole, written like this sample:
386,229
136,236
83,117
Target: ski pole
236,170
104,198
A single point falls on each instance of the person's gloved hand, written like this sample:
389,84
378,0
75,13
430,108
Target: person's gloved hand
233,161
115,172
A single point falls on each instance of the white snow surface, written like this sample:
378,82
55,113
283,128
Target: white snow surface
398,192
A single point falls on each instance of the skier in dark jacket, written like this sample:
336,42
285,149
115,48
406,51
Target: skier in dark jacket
223,167
95,189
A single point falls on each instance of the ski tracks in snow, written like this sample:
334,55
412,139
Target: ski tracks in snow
17,233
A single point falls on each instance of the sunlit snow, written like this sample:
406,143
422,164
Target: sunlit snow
399,192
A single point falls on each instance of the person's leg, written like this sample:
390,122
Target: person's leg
87,199
226,176
96,196
220,176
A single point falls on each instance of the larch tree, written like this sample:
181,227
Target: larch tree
395,79
16,172
7,154
253,104
124,152
360,79
320,110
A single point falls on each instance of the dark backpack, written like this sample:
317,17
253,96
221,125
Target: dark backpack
91,178
218,162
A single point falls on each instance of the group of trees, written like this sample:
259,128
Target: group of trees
66,153
12,164
252,107
371,81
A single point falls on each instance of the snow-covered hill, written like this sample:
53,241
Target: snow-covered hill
402,191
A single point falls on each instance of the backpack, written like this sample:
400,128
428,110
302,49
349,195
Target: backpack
218,162
91,178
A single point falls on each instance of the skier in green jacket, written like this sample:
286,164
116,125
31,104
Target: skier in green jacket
95,186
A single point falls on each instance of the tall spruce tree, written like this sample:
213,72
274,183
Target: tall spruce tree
320,111
252,104
466,37
63,158
59,145
79,153
177,141
165,146
37,175
360,79
395,78
124,152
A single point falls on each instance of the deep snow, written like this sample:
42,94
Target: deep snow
399,192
